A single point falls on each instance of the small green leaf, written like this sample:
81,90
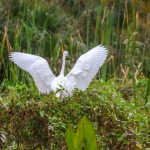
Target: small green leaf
42,112
139,145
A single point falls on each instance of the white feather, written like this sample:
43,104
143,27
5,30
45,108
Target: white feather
79,77
37,67
87,66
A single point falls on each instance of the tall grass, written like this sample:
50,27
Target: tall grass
47,28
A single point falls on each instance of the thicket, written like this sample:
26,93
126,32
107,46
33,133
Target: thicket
29,120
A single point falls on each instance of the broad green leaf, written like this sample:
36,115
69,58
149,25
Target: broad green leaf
89,135
85,136
78,139
70,138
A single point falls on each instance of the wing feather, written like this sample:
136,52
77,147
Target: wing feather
87,66
37,67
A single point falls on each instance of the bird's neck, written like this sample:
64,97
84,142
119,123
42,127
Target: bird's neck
63,65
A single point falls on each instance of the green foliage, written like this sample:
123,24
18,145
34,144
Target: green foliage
30,120
85,136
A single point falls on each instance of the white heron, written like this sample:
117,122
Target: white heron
79,77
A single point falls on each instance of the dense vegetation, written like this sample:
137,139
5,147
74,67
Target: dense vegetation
47,28
30,120
118,104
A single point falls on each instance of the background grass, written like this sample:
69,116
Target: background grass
118,105
47,28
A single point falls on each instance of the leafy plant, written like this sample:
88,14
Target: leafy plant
85,136
32,120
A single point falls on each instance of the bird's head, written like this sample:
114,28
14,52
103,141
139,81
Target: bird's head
65,53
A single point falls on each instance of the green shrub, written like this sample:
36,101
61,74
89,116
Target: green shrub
30,120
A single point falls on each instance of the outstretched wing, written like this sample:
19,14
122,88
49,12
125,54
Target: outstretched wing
37,67
87,66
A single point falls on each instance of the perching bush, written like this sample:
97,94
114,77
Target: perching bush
31,120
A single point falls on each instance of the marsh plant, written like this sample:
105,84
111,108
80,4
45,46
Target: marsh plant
47,28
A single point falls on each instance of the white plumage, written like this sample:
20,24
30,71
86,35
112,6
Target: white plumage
79,77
